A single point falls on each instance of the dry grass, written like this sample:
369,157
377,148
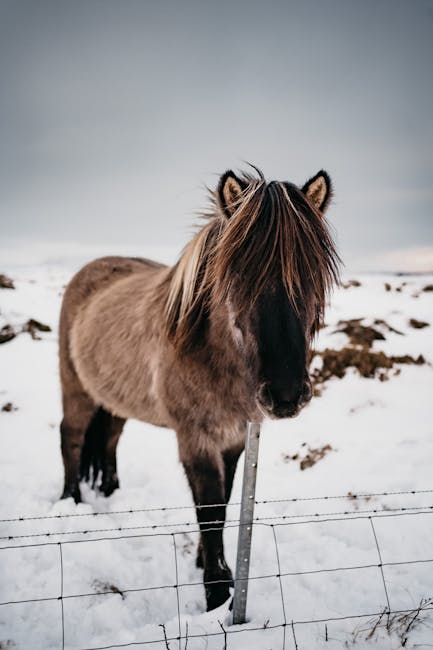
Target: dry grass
395,624
102,587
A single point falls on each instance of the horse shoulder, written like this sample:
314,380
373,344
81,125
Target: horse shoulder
113,339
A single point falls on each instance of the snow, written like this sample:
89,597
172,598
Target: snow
381,434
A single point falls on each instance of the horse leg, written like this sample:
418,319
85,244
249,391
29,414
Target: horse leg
230,457
206,478
113,430
78,410
98,455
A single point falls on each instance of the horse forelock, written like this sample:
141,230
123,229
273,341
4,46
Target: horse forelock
273,229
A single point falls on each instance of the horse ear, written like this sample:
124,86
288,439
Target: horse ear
229,192
318,191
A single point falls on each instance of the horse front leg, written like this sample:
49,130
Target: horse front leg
230,458
205,475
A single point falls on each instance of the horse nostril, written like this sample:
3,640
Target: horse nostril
265,395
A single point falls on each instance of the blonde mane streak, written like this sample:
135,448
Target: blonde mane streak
183,290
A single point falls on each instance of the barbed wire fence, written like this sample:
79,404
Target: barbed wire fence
272,522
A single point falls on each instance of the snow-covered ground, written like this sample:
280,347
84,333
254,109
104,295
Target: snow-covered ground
381,435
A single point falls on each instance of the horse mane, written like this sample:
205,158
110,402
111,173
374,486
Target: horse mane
273,229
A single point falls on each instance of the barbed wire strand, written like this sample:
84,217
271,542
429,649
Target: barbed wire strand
349,495
213,522
284,574
378,515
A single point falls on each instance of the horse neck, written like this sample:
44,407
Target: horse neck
220,342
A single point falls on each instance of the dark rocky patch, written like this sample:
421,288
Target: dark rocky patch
351,283
383,323
9,407
399,289
359,334
368,364
7,333
418,324
33,326
5,282
428,287
364,335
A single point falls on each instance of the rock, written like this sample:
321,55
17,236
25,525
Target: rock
418,324
359,334
9,407
7,333
33,326
367,363
351,283
5,282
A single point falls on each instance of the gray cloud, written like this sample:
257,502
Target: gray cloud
113,114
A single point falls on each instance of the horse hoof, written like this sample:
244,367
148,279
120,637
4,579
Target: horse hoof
217,586
216,595
108,487
72,492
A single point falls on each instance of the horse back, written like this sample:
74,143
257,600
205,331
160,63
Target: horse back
87,283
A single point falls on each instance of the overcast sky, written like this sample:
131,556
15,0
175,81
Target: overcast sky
114,114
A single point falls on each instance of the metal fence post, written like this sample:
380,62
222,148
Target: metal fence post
246,523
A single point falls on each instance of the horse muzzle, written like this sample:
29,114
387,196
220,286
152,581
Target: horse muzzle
276,406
